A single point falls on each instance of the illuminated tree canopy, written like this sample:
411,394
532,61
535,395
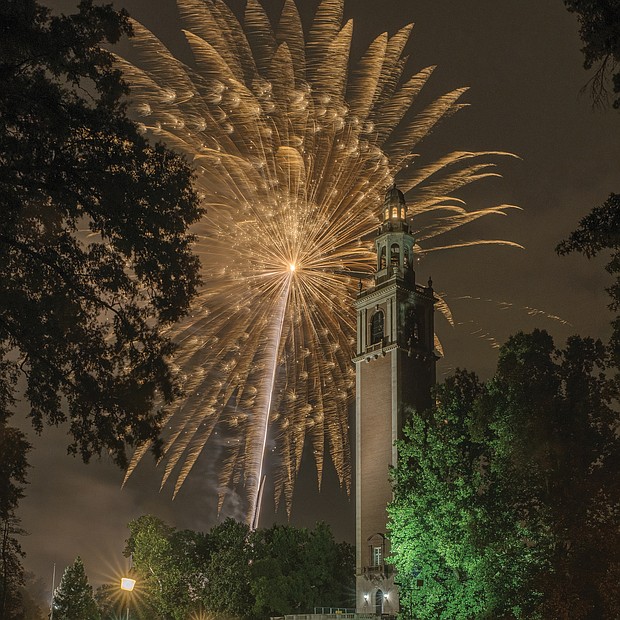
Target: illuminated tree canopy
233,572
506,499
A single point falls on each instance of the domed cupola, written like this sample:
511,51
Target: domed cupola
394,205
394,241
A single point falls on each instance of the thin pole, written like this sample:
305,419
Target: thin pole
52,597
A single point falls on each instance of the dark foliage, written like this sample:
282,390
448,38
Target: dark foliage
95,258
600,231
13,465
599,29
12,576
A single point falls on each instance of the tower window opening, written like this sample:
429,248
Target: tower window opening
382,258
376,327
387,214
395,255
394,212
402,214
377,556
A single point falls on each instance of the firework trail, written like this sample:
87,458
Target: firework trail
507,305
293,150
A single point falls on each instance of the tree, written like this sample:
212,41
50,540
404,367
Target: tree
295,570
507,503
599,28
116,604
95,257
554,428
169,566
35,598
597,232
229,576
440,515
11,571
181,572
73,598
13,465
232,572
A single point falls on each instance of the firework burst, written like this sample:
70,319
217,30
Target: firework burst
293,150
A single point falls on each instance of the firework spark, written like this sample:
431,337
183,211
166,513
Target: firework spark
293,151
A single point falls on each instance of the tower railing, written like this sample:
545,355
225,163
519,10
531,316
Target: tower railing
382,570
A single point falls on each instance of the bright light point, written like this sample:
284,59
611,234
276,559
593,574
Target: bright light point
127,584
292,266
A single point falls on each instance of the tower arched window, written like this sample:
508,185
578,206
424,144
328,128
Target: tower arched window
394,212
395,255
382,258
376,327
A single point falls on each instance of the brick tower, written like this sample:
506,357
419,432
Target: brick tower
395,370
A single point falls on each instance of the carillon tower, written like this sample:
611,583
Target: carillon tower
395,370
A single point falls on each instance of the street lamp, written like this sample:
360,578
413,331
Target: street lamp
128,585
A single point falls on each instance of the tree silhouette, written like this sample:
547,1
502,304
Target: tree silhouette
599,22
95,257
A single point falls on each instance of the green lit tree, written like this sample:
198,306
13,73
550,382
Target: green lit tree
506,495
73,599
443,530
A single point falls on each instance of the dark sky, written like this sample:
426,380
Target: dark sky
522,62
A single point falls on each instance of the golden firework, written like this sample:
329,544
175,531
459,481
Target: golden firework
293,150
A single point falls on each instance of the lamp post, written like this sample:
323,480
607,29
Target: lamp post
128,585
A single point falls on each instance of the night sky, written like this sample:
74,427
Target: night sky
522,62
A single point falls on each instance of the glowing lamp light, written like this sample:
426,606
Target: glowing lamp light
127,584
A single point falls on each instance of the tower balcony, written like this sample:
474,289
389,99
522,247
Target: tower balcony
377,346
378,572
